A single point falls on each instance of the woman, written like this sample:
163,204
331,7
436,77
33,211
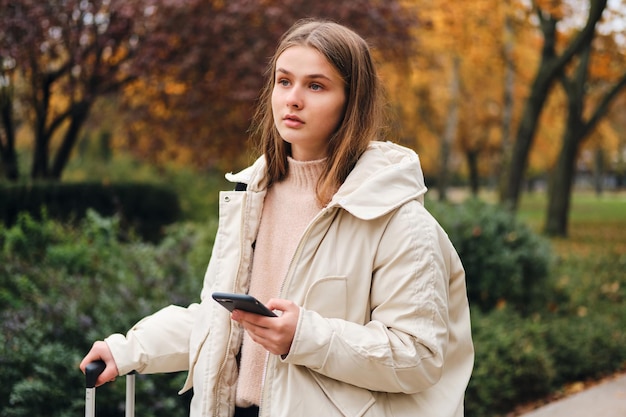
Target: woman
332,234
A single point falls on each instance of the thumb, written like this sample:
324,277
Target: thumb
282,305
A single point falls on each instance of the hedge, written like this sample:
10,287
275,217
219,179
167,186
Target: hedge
142,208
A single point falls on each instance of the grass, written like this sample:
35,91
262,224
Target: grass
597,224
591,261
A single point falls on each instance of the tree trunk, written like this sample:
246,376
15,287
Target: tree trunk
472,166
39,169
450,131
78,116
560,189
9,168
546,74
522,145
507,103
598,171
577,129
550,67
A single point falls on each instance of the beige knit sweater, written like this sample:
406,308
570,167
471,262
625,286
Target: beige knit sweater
289,207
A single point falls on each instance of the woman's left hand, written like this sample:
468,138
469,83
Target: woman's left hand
273,333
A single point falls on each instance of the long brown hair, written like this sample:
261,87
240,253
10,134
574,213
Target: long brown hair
349,53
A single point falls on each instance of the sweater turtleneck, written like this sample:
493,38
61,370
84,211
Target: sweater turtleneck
288,208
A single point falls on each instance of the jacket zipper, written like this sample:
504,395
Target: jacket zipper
230,331
323,213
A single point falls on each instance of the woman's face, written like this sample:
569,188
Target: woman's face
308,101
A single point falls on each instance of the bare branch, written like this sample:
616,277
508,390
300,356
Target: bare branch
606,101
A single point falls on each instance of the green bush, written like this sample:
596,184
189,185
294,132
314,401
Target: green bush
520,359
62,287
585,347
505,261
512,363
197,190
144,208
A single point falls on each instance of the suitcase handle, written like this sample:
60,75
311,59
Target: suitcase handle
92,372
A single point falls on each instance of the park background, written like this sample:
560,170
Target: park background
516,109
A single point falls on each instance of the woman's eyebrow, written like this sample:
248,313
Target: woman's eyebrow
309,76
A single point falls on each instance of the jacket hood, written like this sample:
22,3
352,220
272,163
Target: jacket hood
386,176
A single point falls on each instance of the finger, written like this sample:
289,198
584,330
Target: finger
98,351
252,319
108,375
90,357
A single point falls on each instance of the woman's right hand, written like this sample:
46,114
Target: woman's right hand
100,351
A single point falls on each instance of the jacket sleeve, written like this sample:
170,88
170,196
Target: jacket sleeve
158,343
403,346
161,342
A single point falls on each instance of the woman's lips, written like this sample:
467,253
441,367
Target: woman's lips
292,121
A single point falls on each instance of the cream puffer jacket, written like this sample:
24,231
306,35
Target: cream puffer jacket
384,326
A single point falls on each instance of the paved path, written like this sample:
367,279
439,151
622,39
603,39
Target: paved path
607,399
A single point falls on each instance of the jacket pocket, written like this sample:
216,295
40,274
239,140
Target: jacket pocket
351,401
328,297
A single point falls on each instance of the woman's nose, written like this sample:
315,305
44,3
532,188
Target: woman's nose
294,98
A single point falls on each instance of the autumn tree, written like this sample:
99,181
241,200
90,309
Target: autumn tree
456,103
427,95
551,66
190,70
196,108
582,117
483,101
68,53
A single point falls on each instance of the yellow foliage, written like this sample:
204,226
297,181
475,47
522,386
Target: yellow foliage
175,88
475,33
114,57
556,8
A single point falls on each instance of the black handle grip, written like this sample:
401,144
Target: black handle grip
92,371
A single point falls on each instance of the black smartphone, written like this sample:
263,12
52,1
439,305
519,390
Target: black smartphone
243,302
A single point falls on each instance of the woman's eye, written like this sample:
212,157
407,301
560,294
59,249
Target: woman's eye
316,87
283,82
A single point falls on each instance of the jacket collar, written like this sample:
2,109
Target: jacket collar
253,176
385,177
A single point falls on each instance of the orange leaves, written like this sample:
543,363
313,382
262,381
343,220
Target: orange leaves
472,33
487,36
608,60
194,103
556,8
